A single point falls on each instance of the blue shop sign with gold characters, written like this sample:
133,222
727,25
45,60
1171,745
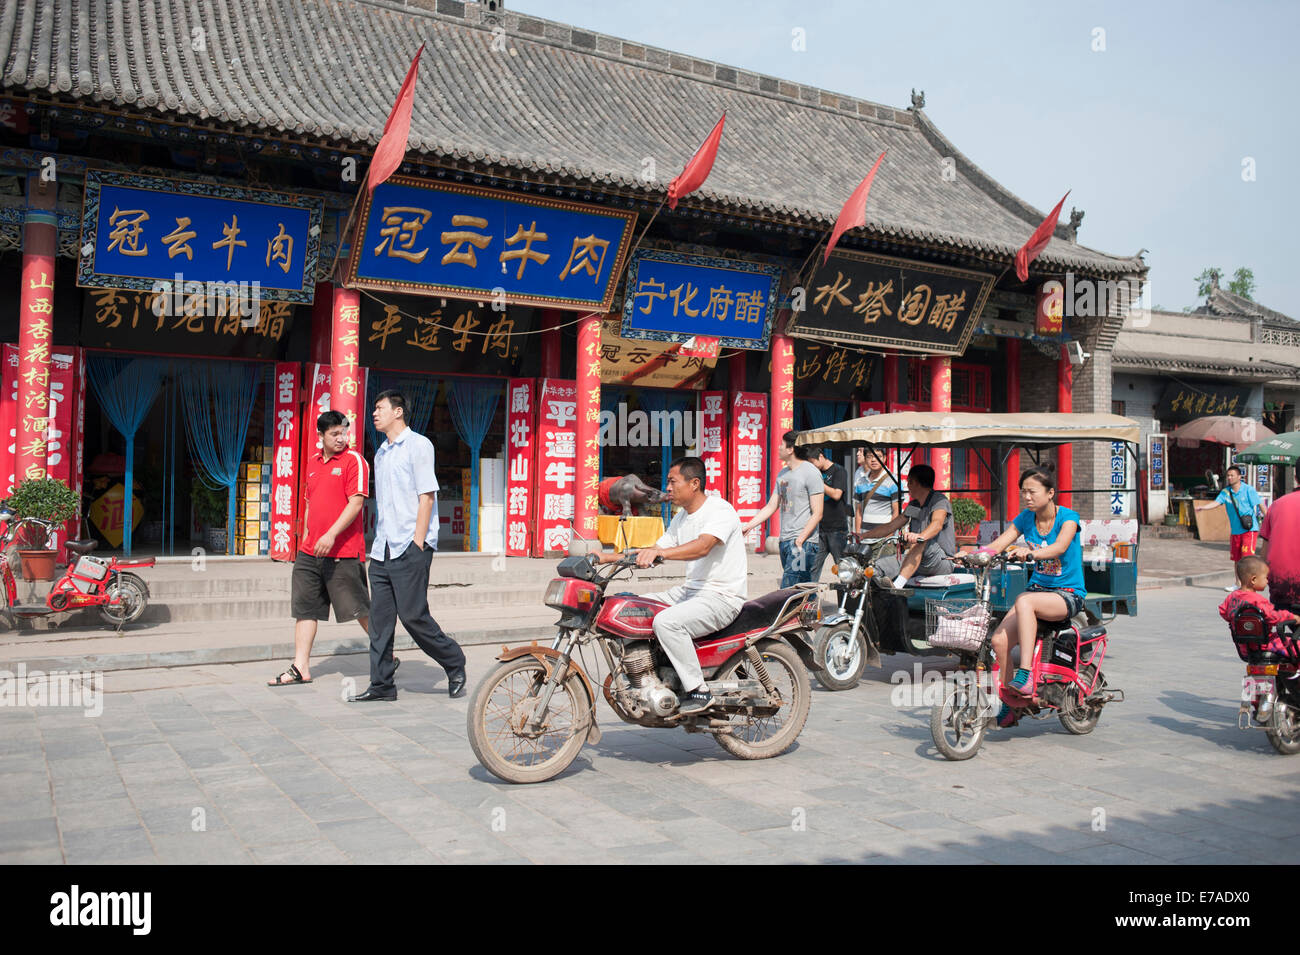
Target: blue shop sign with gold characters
139,231
472,243
675,297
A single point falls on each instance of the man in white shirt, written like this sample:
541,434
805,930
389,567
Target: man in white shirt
705,532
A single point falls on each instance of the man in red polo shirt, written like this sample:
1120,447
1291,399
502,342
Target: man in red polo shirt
328,570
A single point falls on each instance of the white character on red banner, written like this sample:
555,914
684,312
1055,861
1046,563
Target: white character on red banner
555,538
519,400
749,457
284,462
285,394
712,470
713,404
749,491
561,444
519,433
284,423
517,500
557,507
712,439
748,424
562,412
518,535
280,536
284,500
518,468
559,473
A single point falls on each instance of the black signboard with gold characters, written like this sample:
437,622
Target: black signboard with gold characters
1184,401
417,333
858,298
216,326
823,370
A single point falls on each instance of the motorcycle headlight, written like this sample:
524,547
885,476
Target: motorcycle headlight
848,569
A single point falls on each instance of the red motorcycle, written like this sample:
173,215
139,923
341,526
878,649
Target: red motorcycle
532,713
120,595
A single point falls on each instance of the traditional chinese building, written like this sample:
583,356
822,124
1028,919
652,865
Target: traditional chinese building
176,178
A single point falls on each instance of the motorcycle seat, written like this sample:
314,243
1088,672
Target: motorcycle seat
81,547
942,580
755,614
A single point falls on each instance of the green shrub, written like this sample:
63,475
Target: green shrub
967,513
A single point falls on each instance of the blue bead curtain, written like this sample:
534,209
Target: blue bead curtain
218,402
820,413
126,389
668,434
473,405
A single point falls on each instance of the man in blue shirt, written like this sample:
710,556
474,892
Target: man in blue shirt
406,495
1242,501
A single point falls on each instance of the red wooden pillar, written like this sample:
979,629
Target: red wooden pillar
1065,453
782,411
322,324
736,371
35,332
346,391
586,502
941,401
891,380
551,321
1012,478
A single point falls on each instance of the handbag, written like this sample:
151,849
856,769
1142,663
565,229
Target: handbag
1247,520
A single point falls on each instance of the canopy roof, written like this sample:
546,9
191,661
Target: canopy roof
938,429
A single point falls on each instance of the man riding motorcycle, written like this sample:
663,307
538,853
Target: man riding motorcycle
705,532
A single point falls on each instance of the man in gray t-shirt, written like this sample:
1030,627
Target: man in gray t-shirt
798,494
929,535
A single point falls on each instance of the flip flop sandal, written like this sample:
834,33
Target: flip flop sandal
293,672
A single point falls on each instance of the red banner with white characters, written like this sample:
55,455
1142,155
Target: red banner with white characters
78,431
284,461
59,452
713,444
521,447
35,331
8,420
348,394
318,402
748,447
556,470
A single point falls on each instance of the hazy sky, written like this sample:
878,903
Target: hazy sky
1150,133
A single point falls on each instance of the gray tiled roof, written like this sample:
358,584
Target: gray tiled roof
556,100
1222,302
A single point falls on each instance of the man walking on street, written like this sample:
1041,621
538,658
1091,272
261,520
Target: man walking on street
799,496
1244,506
835,511
329,570
406,493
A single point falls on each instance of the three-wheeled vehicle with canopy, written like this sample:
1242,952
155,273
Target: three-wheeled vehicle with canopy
871,620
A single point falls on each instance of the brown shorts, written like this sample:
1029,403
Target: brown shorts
322,582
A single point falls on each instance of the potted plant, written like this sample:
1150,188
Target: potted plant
46,499
966,517
211,508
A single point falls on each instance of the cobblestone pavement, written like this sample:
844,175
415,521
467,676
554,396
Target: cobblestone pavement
205,764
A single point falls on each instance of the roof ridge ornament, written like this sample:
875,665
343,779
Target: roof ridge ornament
918,99
1076,219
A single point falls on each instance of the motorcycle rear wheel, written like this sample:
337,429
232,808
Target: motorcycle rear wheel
843,655
767,736
134,596
957,725
498,708
1077,716
1284,729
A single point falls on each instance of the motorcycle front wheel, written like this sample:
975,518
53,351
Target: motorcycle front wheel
134,597
842,654
500,709
1284,729
761,737
957,724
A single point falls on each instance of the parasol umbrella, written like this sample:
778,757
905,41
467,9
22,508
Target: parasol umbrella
1221,429
1279,449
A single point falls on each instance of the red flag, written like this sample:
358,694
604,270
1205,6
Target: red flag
698,169
1037,242
392,145
854,213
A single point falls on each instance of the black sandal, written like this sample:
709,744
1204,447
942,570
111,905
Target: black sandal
293,672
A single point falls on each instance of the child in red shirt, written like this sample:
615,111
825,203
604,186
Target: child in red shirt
1252,575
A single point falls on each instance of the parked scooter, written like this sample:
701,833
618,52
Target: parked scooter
120,595
1270,690
530,716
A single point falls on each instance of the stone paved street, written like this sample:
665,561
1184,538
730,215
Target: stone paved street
295,775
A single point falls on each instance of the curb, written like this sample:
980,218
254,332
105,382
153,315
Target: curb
1213,578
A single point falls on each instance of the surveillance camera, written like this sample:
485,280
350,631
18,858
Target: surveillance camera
1075,354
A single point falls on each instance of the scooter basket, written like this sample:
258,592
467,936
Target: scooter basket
956,624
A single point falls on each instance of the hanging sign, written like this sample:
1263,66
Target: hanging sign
208,328
409,333
671,297
143,232
858,298
1118,476
482,244
1156,462
648,364
284,461
521,446
557,472
748,468
1183,402
713,447
831,371
1049,307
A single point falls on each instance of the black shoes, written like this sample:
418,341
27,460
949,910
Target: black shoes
456,684
696,701
370,696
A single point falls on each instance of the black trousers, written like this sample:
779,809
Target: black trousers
399,589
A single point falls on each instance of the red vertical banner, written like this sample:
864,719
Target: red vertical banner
318,402
556,473
1049,309
521,447
59,431
587,496
35,330
941,402
782,406
748,446
9,419
713,445
347,386
284,461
